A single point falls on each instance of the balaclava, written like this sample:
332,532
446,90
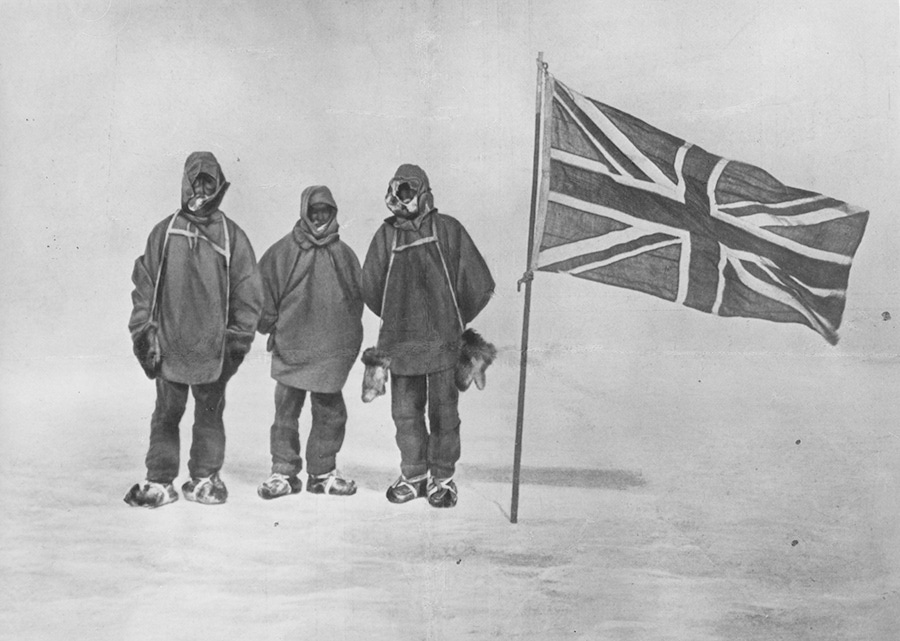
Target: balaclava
318,234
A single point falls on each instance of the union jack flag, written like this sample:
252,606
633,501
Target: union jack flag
626,204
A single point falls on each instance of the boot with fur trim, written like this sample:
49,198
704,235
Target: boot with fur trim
378,364
475,355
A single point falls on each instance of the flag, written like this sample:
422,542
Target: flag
623,203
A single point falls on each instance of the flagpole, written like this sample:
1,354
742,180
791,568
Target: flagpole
527,278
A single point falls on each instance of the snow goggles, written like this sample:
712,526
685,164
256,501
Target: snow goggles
400,184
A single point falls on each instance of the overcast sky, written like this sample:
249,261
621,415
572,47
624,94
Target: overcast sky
100,102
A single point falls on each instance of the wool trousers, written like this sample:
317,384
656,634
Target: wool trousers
329,421
208,436
434,447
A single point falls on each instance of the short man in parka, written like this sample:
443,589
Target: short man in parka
197,299
312,311
426,279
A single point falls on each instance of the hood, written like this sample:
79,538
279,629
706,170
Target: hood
202,162
314,195
424,201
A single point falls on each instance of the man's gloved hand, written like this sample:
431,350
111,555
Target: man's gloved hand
236,346
145,345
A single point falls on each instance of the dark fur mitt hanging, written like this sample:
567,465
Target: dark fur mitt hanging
146,348
378,364
475,355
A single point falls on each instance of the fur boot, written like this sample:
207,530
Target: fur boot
475,355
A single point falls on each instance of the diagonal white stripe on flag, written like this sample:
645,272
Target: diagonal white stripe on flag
798,220
638,228
615,214
776,293
769,266
615,259
787,243
782,205
619,139
589,246
659,182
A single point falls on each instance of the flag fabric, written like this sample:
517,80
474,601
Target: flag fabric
623,203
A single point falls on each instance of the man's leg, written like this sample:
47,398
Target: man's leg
163,454
408,396
284,444
208,444
444,441
443,421
284,435
329,422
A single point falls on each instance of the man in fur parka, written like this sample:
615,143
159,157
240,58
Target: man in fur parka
312,311
426,279
197,298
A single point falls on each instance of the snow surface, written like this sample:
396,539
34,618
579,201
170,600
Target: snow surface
693,516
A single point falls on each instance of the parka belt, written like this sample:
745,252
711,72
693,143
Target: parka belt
415,243
193,236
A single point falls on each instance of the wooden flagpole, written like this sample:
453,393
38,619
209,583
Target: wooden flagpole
526,279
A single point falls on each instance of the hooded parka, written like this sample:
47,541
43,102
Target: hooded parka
312,305
426,279
209,294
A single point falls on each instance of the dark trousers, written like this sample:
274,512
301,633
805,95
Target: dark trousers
422,449
208,438
329,421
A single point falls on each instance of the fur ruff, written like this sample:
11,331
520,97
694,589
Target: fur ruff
373,357
475,356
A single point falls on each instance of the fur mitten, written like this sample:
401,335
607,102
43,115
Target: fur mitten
475,355
146,347
378,364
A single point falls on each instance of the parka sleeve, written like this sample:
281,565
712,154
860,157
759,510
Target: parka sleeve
245,303
474,283
144,276
350,275
374,271
268,271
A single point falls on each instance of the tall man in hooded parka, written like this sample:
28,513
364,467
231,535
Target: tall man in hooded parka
426,279
197,299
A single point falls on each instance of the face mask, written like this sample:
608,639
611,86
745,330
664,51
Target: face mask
408,206
195,203
204,187
412,206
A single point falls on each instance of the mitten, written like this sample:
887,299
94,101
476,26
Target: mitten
146,348
378,364
475,355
